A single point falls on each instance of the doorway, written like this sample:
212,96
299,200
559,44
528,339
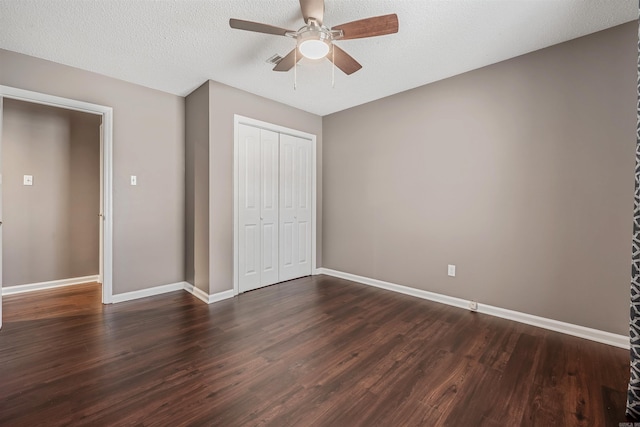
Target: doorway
105,218
274,204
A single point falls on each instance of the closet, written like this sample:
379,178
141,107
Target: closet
274,207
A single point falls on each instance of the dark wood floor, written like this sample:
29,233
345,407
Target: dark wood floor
311,352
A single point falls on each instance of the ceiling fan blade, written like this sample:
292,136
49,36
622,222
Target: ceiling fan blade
257,27
312,9
369,27
343,60
288,61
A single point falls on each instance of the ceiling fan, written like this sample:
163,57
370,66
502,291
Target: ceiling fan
315,40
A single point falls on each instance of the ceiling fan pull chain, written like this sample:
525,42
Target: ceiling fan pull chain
333,68
295,68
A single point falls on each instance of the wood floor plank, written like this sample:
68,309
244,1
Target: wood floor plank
316,351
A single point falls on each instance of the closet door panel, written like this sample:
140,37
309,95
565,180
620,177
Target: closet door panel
249,212
288,208
303,168
269,146
295,207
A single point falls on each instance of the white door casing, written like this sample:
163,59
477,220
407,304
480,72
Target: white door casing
303,147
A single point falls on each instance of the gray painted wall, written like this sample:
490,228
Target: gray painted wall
148,141
520,173
50,229
197,188
224,102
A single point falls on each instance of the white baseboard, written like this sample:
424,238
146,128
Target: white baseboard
127,296
143,293
220,296
603,337
203,296
196,292
18,289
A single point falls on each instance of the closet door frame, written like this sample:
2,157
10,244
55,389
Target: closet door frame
237,121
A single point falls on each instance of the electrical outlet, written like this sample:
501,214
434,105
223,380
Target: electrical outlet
451,270
473,306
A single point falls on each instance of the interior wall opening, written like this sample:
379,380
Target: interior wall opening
51,190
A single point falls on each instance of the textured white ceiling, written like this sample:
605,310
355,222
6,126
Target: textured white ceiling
176,45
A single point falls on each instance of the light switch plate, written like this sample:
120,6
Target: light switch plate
27,180
134,180
451,270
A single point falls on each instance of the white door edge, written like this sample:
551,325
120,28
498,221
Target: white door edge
106,251
101,215
237,121
1,116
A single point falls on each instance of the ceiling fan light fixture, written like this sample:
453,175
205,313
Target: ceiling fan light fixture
313,41
314,48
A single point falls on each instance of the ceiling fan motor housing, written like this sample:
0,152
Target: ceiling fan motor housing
314,41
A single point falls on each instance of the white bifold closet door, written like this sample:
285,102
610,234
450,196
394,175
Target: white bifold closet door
295,207
258,214
274,215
